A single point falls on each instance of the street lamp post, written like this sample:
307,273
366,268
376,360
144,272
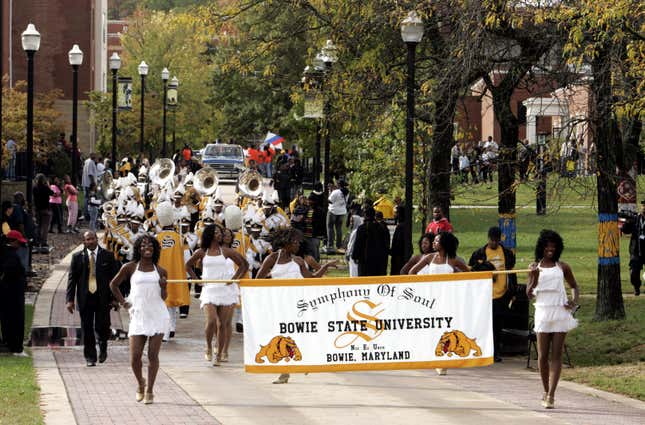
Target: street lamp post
143,71
75,59
172,102
165,74
411,33
329,56
311,77
115,65
30,44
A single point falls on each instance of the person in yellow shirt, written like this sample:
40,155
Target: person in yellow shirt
385,206
172,260
7,210
495,256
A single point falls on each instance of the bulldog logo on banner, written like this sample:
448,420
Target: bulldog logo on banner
368,323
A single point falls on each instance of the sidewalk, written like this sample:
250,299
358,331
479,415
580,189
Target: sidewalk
191,391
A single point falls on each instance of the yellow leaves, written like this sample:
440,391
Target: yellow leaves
269,70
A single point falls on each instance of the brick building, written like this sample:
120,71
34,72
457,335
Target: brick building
61,23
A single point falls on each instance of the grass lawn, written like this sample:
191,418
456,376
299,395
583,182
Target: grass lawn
19,394
609,355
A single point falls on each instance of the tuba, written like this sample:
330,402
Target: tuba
250,183
206,181
162,171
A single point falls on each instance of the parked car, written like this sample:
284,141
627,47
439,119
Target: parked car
227,160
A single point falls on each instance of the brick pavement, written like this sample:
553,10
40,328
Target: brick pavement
105,394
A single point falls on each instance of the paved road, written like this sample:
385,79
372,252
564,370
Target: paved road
191,391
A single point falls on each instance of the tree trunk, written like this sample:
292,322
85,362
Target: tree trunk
442,142
506,165
609,298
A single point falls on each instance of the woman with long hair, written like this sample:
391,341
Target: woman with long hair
283,263
442,260
149,316
218,299
55,203
425,248
553,310
72,205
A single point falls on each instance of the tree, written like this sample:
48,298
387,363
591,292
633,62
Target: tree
610,37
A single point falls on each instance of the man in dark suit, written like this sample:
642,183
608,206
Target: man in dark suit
90,274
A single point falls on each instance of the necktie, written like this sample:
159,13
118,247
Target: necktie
92,278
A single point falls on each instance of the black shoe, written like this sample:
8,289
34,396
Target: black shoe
498,359
637,291
90,363
172,334
103,352
239,327
183,315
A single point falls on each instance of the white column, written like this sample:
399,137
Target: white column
531,128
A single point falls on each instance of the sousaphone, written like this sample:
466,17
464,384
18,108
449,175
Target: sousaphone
205,181
250,183
162,171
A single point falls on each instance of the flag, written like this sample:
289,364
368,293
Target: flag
274,140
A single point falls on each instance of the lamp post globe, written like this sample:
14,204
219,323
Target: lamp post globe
165,74
115,65
30,44
75,56
143,71
411,33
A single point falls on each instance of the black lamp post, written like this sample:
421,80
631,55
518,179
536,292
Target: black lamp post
311,79
75,59
30,44
115,65
165,74
143,71
328,55
412,33
172,104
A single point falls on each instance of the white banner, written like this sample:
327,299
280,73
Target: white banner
367,323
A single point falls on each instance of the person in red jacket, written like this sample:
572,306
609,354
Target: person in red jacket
439,222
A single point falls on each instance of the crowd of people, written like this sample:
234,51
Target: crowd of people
164,226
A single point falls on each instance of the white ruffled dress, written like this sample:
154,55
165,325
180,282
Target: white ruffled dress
148,312
550,299
218,267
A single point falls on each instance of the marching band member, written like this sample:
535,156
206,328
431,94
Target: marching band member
172,260
189,240
217,300
283,263
274,217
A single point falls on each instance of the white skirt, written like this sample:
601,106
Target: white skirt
148,314
553,318
220,294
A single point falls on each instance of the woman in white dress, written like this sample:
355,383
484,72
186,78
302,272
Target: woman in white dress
283,263
425,247
218,299
149,317
553,310
443,260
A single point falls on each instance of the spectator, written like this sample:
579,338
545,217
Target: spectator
354,222
100,167
94,205
282,183
335,215
496,255
314,227
269,153
42,192
7,210
455,153
372,245
90,175
187,152
56,206
296,173
439,222
464,167
401,249
72,205
12,287
22,221
425,247
12,147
